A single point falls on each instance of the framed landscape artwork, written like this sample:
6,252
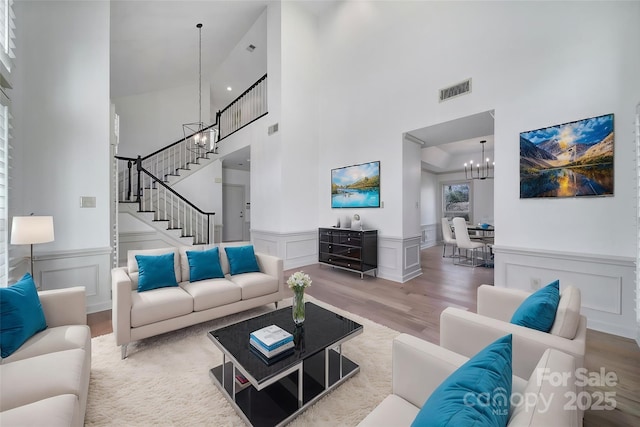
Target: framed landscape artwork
569,160
356,186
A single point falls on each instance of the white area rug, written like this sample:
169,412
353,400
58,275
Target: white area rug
165,379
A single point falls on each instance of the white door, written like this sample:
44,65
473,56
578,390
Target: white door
232,212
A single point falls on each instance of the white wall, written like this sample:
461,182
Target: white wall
374,91
299,118
429,209
61,100
531,73
360,106
412,183
242,68
201,188
266,161
62,111
153,120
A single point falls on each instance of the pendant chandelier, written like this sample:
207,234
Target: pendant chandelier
198,138
479,170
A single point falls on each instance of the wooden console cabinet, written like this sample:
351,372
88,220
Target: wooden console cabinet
349,249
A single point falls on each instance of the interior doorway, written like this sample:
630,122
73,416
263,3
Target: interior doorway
446,147
233,212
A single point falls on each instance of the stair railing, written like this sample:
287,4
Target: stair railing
142,180
245,109
168,160
152,194
126,171
242,111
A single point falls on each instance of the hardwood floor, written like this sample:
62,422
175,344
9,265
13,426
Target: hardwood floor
414,307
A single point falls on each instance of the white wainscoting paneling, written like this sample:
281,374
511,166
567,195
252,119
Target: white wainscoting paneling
296,249
398,258
606,283
90,268
429,235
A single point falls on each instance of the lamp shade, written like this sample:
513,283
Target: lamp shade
28,230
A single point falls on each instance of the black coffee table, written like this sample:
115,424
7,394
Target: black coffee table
278,392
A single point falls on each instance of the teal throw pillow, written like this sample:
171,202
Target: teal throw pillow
242,259
21,315
204,265
538,311
476,394
155,271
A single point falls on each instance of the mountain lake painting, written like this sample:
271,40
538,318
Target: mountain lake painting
356,186
569,160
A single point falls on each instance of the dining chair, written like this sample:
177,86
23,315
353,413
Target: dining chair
464,242
447,238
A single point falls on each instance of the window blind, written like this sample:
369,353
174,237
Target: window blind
7,33
4,194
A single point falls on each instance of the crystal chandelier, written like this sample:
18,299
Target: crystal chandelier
481,170
199,138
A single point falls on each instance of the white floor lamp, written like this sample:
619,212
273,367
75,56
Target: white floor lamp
30,230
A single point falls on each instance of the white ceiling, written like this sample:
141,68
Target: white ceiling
239,160
154,44
457,137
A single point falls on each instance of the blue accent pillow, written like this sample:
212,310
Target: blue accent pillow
155,271
242,259
476,394
21,315
538,311
204,265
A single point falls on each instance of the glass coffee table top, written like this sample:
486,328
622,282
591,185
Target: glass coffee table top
322,329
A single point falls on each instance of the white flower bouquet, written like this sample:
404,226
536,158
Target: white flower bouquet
298,281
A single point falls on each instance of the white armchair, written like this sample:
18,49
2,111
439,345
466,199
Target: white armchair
418,368
467,333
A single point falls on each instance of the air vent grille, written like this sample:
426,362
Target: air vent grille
458,89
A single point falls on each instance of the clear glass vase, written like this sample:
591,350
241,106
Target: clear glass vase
298,307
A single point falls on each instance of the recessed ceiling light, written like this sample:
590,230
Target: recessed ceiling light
229,88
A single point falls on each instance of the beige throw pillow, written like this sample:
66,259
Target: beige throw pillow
567,318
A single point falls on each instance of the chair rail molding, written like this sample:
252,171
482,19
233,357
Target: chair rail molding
606,282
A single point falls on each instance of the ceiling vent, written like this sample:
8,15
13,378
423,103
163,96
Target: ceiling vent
251,48
455,90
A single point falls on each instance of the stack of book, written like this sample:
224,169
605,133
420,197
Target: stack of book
271,343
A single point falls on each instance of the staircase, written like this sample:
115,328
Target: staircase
144,184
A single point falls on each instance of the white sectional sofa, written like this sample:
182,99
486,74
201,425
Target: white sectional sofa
137,315
418,368
45,382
